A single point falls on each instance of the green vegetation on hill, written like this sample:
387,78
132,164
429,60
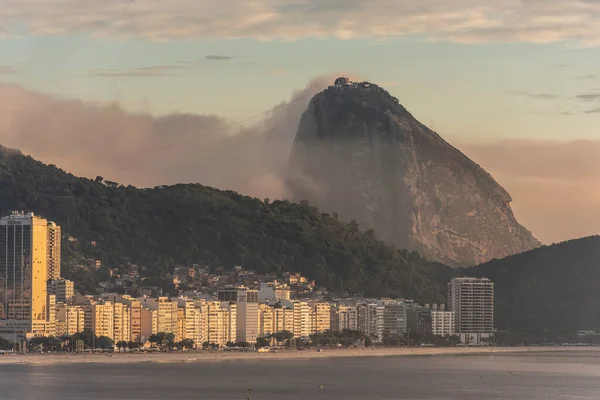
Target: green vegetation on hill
552,291
176,225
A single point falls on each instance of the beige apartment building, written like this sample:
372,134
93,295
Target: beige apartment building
188,320
50,315
221,322
70,319
320,317
166,313
283,319
148,323
122,320
302,319
103,319
266,320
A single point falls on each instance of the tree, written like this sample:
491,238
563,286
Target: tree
122,344
163,339
104,342
262,342
133,345
186,344
283,336
87,336
5,344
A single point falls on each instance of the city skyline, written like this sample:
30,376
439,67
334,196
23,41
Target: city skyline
37,302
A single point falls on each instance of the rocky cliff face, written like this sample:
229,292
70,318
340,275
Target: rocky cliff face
359,153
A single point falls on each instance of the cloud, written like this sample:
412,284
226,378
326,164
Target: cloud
542,96
535,21
588,97
592,111
586,77
218,58
142,72
554,184
90,139
9,69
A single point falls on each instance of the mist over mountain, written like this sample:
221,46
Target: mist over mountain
92,139
361,154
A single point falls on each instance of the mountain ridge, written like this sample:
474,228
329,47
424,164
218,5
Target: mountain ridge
360,153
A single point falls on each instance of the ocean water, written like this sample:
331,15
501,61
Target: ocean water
563,375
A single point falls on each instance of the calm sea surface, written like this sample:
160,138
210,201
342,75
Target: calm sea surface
565,375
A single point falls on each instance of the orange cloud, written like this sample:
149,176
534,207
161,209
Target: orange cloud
555,185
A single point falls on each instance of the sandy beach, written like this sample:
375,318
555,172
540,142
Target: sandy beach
215,356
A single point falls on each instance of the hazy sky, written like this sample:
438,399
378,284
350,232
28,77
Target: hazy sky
515,84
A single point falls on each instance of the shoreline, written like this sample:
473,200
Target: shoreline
216,356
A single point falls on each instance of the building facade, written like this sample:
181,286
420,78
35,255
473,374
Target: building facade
247,312
23,275
54,248
63,289
443,323
472,301
320,317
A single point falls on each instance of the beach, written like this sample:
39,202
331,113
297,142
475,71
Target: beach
215,356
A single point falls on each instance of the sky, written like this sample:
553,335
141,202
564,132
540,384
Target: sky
150,91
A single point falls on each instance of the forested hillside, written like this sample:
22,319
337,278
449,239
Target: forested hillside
166,226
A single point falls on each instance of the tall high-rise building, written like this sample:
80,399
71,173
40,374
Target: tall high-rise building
395,318
53,251
302,320
472,300
121,324
247,311
370,320
23,274
103,319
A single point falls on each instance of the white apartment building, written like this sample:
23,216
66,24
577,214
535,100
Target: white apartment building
472,300
247,312
370,320
443,322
